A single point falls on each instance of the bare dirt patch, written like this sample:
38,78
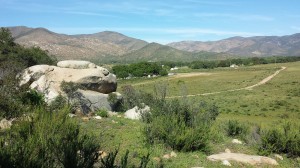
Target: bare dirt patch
193,74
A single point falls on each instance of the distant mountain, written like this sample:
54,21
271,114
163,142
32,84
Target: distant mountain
93,46
158,52
110,46
251,46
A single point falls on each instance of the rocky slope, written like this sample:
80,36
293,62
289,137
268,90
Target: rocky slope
251,46
157,52
110,46
92,46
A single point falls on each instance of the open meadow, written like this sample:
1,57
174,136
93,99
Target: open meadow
263,107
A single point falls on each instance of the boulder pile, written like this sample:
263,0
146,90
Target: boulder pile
97,81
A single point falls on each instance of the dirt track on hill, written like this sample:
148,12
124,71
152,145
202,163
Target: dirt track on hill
265,80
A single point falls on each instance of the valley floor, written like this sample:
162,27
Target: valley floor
264,96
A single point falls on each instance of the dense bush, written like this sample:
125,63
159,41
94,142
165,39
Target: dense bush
33,98
181,126
13,59
102,112
178,124
240,61
237,129
285,139
48,139
111,161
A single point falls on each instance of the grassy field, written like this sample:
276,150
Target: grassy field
277,99
267,106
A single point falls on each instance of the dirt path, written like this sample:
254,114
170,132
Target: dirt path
232,90
178,75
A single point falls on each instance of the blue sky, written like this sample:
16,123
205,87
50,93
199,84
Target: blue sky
160,21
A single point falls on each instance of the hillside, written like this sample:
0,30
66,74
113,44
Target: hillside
251,46
110,46
93,46
157,52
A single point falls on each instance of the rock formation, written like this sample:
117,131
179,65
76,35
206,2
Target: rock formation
136,113
243,158
97,81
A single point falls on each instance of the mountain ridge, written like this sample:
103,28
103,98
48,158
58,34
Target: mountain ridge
83,46
287,45
108,46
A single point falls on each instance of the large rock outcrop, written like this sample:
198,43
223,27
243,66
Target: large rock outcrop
47,79
243,158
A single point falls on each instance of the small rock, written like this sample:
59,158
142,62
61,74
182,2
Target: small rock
278,157
157,159
226,163
5,124
115,122
111,113
136,113
227,150
72,115
85,119
236,141
97,117
167,156
195,156
102,155
173,154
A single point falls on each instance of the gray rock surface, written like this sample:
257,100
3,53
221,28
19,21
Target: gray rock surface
243,158
5,124
47,79
97,81
76,64
135,112
95,100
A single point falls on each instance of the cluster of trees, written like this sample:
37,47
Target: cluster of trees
240,61
13,59
139,70
160,68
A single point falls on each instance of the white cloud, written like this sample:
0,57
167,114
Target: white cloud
236,16
90,14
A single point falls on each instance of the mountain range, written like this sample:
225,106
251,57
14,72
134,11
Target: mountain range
111,46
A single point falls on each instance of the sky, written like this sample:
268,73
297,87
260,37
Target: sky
161,21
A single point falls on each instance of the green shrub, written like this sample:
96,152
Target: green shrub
102,113
180,125
284,139
48,139
33,98
235,129
58,103
132,98
114,102
111,162
15,101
